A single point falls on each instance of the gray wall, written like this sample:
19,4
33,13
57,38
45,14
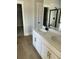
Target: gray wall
19,15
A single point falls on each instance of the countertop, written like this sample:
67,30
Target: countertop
53,41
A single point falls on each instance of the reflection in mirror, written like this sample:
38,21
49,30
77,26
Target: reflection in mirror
45,16
52,17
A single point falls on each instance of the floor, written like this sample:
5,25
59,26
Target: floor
25,50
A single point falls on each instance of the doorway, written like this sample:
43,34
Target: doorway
20,31
45,16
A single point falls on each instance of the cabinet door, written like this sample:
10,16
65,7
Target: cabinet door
53,56
34,39
38,45
44,52
37,42
47,54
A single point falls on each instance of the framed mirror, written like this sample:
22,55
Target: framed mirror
52,14
53,17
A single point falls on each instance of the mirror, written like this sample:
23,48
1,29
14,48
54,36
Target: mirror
53,17
52,13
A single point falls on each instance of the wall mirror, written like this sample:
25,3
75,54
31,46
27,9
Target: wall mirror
52,13
53,17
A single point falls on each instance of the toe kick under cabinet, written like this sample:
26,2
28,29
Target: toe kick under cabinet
41,48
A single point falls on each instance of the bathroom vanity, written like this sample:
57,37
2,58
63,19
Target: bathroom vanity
47,44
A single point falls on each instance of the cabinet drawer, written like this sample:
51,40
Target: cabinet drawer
47,53
52,54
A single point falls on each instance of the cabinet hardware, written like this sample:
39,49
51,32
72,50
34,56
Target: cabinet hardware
48,54
35,39
38,22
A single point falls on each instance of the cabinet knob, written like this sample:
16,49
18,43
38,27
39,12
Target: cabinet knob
35,39
48,54
38,22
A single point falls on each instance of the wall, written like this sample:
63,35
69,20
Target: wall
38,13
19,16
52,3
28,16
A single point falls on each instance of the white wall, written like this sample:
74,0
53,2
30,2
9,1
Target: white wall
38,13
52,3
28,16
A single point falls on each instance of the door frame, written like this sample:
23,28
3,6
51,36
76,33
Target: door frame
22,3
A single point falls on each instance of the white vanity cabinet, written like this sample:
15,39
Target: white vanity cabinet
37,42
44,51
47,53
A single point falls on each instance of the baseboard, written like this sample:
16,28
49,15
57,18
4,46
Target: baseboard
27,34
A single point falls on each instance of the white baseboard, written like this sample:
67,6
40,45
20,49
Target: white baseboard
27,34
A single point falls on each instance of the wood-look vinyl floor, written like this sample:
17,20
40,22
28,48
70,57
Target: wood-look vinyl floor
25,50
